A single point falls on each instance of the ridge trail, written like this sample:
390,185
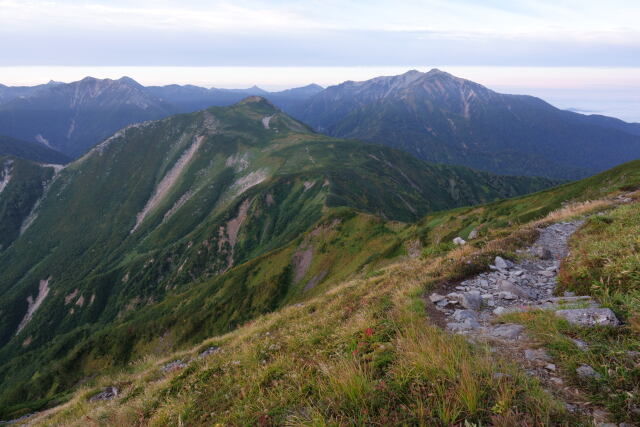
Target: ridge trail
474,307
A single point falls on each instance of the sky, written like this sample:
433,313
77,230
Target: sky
511,44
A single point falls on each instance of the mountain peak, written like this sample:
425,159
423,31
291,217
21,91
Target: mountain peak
256,99
129,81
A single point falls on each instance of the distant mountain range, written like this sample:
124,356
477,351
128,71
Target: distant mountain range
441,118
72,118
435,116
31,151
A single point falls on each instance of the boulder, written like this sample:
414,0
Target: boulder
507,295
466,325
473,234
462,315
536,355
107,393
471,300
507,286
434,297
500,263
459,241
589,317
507,331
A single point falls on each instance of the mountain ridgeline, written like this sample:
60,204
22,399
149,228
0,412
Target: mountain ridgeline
435,116
177,229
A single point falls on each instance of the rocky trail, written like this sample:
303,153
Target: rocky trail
476,303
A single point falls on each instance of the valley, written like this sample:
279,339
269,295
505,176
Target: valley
190,226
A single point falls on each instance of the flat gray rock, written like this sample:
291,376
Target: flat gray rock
471,300
507,286
434,297
462,315
507,331
589,317
536,355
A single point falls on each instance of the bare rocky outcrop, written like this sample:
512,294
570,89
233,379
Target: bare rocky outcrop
301,261
34,304
6,174
228,233
266,120
244,183
165,184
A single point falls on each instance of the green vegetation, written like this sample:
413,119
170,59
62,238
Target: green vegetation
174,231
25,184
359,350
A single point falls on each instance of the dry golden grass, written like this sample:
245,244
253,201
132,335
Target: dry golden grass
361,353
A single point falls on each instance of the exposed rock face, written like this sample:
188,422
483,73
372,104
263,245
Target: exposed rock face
34,304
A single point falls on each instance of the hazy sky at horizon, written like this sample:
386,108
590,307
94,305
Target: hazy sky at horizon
320,32
527,46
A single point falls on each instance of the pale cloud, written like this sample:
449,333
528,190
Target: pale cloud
320,32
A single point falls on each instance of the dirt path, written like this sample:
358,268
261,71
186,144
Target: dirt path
473,309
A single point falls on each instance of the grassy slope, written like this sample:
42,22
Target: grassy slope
361,351
116,294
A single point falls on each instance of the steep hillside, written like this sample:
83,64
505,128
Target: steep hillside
73,117
364,350
22,185
195,224
31,151
445,119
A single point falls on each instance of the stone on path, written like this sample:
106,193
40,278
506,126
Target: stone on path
462,315
536,355
507,331
507,286
434,297
500,263
499,310
471,300
589,317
